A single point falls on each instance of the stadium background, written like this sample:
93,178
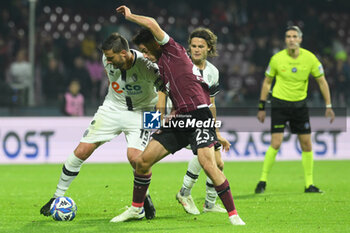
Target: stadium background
68,34
67,38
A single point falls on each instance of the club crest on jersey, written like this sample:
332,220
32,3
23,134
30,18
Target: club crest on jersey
294,70
134,77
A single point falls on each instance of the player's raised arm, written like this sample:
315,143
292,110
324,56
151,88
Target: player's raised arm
144,21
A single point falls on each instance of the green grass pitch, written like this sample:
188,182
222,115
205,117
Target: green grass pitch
101,191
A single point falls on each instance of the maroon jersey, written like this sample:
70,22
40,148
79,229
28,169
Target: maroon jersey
187,90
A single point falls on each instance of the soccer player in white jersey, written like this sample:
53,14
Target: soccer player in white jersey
131,91
202,44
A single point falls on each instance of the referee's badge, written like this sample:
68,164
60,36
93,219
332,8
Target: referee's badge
294,70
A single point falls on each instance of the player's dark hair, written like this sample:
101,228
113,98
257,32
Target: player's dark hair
208,36
295,28
116,42
143,36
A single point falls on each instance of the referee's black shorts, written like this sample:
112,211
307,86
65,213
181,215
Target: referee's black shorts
296,113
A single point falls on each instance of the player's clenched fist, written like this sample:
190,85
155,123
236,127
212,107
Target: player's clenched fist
124,10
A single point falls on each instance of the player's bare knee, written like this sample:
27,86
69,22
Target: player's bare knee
306,147
276,140
84,150
132,157
141,164
82,153
276,145
132,163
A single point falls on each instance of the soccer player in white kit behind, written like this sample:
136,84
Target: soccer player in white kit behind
202,44
132,80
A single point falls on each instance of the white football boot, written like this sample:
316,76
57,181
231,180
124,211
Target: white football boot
236,220
188,204
216,208
132,212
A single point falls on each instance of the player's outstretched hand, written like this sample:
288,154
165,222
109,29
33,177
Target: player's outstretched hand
261,116
124,10
225,143
329,113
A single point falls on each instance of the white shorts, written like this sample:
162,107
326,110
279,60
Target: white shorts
109,123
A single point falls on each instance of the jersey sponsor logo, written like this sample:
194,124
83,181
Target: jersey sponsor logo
294,70
151,120
130,89
116,87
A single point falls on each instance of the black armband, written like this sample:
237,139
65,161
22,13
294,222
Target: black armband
262,105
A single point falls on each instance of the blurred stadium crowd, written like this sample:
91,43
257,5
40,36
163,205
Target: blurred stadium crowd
68,34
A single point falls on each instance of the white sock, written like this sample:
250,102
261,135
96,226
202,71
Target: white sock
70,170
191,176
211,196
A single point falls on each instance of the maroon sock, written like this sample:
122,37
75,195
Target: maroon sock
225,195
141,183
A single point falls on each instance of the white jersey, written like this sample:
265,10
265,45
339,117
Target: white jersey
130,93
210,75
134,88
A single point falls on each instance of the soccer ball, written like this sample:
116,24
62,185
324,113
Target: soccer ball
63,209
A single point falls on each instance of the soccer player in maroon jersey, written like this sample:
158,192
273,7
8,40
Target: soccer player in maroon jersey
190,96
